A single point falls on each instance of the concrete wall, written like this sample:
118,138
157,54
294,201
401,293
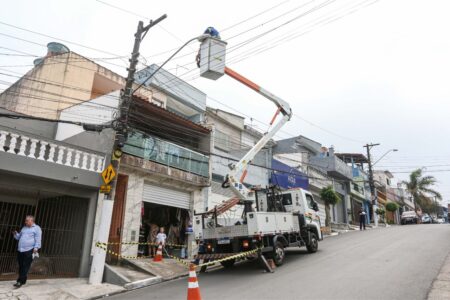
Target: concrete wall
60,82
44,129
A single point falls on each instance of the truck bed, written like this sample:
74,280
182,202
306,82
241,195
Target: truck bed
257,223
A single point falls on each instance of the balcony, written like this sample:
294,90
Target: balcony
22,152
173,156
334,166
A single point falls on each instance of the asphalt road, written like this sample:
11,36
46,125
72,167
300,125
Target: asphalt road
399,262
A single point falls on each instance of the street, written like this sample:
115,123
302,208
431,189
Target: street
399,262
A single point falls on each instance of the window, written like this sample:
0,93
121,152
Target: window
157,102
310,201
287,199
221,140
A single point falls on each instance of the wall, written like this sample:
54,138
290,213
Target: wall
44,129
97,111
57,83
179,90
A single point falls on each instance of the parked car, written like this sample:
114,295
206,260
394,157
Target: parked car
426,219
409,217
440,221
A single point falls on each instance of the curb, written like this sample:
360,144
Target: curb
440,288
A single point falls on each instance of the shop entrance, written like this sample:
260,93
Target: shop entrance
174,220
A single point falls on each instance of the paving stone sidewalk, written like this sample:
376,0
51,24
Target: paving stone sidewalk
56,289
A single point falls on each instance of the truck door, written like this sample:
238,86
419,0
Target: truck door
287,202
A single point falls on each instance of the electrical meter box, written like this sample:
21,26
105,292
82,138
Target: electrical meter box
212,58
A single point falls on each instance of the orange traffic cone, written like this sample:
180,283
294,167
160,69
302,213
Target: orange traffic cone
158,256
193,289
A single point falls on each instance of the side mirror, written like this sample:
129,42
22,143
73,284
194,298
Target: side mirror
315,206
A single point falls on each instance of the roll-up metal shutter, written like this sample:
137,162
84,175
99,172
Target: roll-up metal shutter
164,196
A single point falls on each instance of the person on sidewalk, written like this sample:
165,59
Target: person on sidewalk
362,219
29,243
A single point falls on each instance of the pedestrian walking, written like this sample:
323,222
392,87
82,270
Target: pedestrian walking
362,219
29,244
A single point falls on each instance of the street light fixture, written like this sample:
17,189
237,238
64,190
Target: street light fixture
389,151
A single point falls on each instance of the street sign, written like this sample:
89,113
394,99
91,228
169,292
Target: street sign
108,174
105,189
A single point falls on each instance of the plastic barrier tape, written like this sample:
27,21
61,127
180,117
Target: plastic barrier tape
177,259
147,243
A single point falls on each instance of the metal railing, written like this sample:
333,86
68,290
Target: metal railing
35,147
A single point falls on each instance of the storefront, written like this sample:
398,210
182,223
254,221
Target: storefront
164,208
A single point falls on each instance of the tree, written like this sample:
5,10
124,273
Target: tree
419,187
330,197
391,206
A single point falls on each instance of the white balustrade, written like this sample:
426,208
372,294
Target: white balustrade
84,163
100,160
55,153
51,154
92,162
33,148
12,143
3,135
60,154
23,145
76,162
69,157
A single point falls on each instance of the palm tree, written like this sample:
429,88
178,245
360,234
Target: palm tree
419,187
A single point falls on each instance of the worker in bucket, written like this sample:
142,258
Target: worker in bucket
213,33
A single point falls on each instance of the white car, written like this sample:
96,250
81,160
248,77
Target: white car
440,221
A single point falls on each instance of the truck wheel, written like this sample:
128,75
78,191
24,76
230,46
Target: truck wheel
313,244
278,254
228,263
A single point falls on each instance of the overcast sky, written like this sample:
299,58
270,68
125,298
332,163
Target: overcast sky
354,71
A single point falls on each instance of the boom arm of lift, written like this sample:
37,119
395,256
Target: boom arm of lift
236,184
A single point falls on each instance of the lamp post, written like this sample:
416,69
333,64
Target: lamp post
387,152
373,191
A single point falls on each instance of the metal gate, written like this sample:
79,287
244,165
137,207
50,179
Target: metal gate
164,196
62,220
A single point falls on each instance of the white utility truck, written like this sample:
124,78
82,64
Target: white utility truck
272,220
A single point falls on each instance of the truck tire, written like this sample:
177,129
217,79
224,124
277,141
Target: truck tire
278,254
313,244
228,263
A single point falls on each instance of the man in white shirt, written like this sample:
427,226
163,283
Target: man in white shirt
29,239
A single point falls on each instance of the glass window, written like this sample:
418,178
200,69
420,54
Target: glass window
287,199
310,201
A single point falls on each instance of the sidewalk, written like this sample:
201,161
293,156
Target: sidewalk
440,289
57,289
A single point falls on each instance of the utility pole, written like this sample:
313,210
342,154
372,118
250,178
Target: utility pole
372,184
121,128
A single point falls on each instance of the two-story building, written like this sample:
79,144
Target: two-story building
322,167
360,197
53,170
54,180
231,141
